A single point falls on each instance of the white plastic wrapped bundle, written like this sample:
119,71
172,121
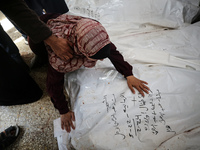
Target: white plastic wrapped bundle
158,46
108,115
167,13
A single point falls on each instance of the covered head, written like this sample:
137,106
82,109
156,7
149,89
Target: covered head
92,39
88,37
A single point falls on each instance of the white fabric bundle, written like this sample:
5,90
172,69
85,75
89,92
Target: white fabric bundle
108,115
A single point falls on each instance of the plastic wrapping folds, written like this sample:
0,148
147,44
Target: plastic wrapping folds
108,115
170,13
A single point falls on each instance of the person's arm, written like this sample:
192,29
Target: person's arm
118,61
29,22
55,84
26,19
125,69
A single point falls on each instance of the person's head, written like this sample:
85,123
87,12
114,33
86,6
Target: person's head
102,53
92,39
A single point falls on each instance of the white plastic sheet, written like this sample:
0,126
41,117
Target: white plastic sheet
108,115
168,13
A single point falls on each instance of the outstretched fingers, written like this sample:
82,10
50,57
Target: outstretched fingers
72,119
145,89
67,121
144,82
140,90
131,88
67,127
140,85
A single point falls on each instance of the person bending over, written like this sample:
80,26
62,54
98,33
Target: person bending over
90,43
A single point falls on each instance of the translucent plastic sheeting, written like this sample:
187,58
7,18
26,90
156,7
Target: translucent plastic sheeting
158,46
178,48
182,43
109,116
187,140
167,13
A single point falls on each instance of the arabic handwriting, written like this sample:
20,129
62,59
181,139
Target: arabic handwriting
150,117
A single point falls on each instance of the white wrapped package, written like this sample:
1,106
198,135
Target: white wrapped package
186,140
168,13
109,116
165,116
158,46
182,43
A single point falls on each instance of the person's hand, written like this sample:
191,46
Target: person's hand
138,84
61,47
66,121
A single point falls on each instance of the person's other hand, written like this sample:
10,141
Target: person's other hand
61,47
138,84
66,121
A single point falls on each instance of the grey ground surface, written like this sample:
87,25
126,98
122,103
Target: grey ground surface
35,119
